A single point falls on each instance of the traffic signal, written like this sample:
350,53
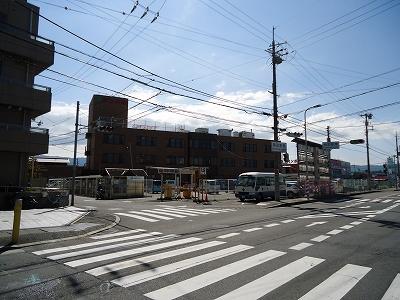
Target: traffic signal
356,142
385,169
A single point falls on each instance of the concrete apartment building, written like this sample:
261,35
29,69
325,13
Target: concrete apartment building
226,156
23,55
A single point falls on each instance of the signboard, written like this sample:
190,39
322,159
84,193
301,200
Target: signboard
203,171
330,145
279,147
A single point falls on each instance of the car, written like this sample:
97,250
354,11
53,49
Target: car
292,189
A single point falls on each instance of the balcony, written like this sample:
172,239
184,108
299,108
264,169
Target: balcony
17,138
34,97
37,49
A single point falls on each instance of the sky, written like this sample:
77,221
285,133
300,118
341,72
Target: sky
341,54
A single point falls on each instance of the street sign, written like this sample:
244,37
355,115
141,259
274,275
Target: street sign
203,171
330,145
279,147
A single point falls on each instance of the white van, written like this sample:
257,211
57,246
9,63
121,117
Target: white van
259,186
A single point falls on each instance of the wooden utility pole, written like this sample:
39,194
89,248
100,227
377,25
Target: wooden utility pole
367,117
75,147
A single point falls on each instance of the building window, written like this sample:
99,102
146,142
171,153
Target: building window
269,164
267,148
227,146
114,158
249,148
175,143
115,139
250,163
175,160
227,162
203,161
146,141
145,159
203,144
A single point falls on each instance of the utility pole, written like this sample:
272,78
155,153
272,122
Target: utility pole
75,146
328,139
367,117
276,60
398,165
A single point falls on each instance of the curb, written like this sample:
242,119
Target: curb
116,222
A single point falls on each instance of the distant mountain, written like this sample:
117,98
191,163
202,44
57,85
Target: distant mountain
80,161
363,168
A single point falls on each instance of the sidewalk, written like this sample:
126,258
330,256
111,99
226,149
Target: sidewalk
41,225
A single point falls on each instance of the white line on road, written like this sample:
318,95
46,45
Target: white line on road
347,227
105,236
315,223
364,219
85,245
264,285
365,207
180,212
387,200
371,216
192,284
252,229
301,246
150,258
393,292
376,200
320,238
114,208
119,254
154,273
335,231
225,236
356,223
163,213
272,225
169,213
137,217
287,221
338,284
153,215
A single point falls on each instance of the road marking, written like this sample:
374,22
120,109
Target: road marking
225,236
114,208
356,223
328,215
315,223
134,279
137,217
153,215
335,231
104,236
185,213
393,292
365,206
192,284
160,212
301,246
189,210
252,229
387,201
364,200
150,258
85,245
120,254
338,284
320,238
287,221
102,248
376,200
127,201
371,216
397,201
272,225
346,227
264,285
364,219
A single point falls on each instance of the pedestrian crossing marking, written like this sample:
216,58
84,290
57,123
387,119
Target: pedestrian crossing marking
347,227
137,217
320,238
154,273
98,249
287,221
264,285
152,215
151,258
356,223
105,236
338,284
387,200
300,246
252,229
123,253
315,223
225,236
167,213
335,231
197,282
271,225
85,245
393,292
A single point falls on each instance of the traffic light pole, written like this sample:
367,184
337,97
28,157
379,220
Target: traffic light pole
75,146
398,165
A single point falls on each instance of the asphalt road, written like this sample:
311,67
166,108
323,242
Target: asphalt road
228,250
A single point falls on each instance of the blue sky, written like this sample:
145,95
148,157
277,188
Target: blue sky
219,46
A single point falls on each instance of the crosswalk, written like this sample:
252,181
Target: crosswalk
167,213
172,266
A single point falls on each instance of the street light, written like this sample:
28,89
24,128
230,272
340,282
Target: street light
305,142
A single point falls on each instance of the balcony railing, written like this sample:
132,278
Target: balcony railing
23,84
16,127
20,33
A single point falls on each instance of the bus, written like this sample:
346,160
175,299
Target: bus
259,186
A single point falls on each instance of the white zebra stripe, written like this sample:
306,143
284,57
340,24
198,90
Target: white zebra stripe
137,217
393,292
105,236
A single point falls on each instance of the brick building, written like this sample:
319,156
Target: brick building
110,143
